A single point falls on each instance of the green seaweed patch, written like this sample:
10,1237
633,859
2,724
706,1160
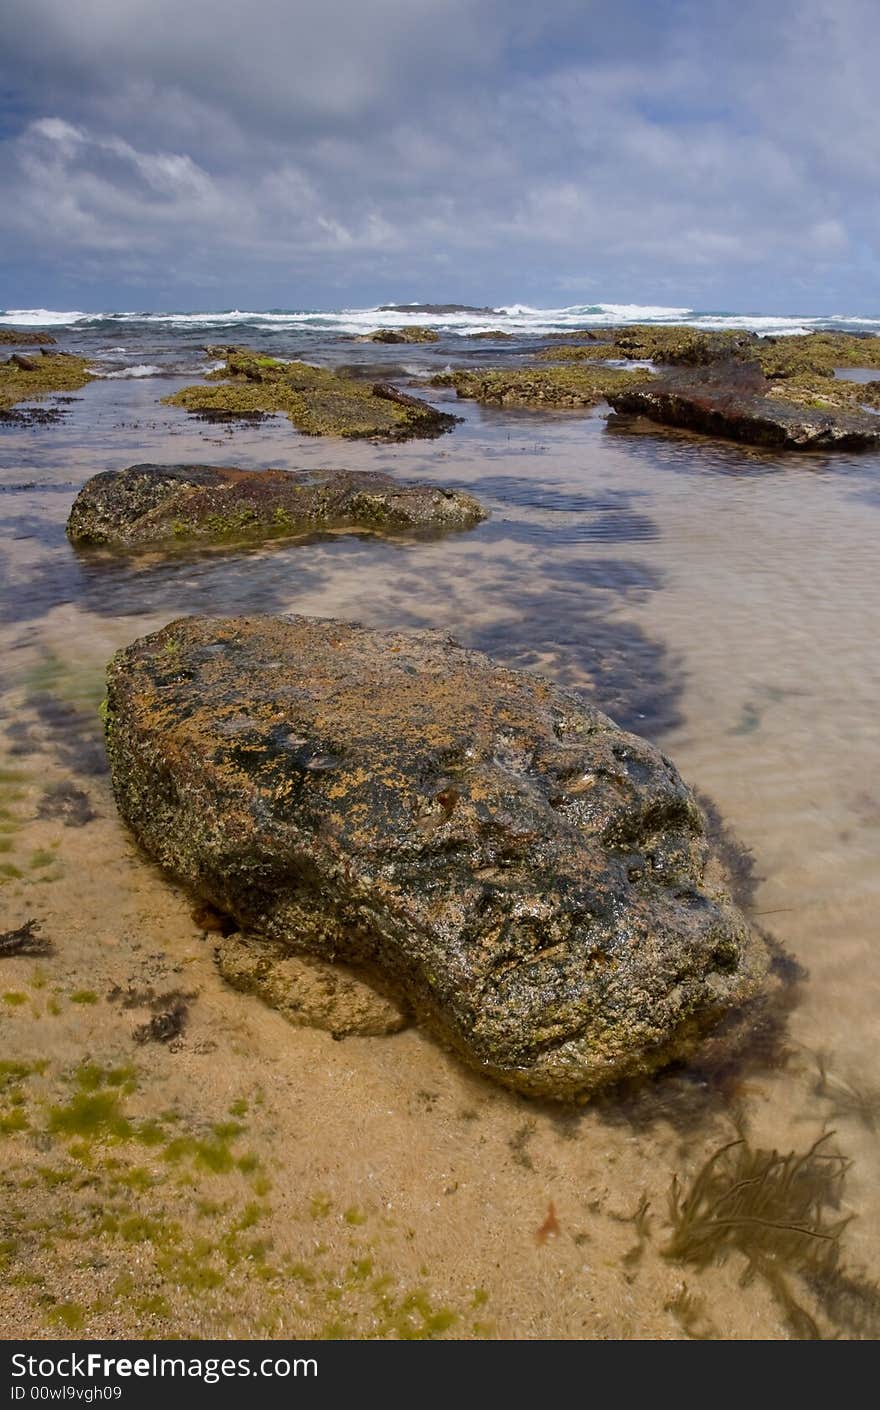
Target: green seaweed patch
101,1198
55,373
413,1317
542,388
90,1115
14,1120
66,680
318,401
72,1316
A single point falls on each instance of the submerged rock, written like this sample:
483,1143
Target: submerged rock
210,503
533,880
736,401
319,402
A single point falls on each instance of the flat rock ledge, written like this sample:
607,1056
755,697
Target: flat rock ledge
533,881
175,504
307,991
739,403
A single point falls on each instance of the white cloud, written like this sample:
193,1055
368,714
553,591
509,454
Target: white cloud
684,146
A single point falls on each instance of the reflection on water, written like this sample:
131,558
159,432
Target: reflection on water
725,610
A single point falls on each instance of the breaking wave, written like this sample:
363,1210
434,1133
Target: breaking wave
521,319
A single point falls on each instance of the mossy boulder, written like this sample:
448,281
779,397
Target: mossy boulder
736,401
24,379
676,344
177,504
401,335
318,402
534,881
544,388
21,337
814,353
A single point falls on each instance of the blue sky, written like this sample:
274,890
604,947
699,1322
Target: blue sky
183,154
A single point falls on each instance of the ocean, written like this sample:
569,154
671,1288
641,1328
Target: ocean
156,344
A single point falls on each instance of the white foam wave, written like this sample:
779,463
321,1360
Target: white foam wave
138,369
520,318
42,317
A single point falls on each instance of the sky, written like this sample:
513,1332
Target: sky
178,154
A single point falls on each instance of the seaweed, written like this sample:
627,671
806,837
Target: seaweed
165,1025
846,1098
318,401
170,1011
689,1311
779,1212
641,1222
24,941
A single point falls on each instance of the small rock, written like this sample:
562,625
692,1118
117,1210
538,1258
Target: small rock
309,991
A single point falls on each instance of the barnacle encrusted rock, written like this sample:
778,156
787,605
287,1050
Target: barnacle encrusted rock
155,504
533,880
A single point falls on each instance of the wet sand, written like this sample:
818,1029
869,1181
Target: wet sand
248,1178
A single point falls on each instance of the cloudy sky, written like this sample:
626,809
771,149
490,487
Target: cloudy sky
719,154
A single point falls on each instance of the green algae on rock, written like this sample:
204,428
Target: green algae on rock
681,345
536,882
54,372
318,401
20,337
401,335
178,504
556,388
671,344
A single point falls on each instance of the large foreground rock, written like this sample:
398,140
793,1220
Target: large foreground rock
534,881
737,401
148,504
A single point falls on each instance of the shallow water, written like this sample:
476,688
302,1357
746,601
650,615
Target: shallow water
718,599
